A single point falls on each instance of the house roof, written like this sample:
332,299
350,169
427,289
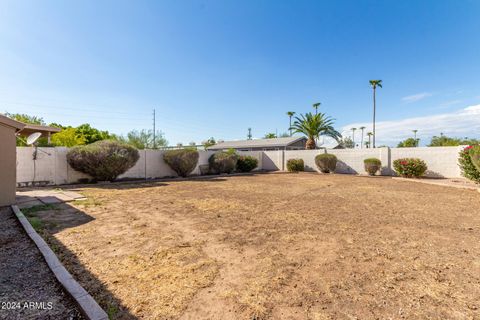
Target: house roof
256,143
6,121
44,130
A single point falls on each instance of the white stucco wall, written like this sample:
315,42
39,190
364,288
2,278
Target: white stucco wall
441,161
51,164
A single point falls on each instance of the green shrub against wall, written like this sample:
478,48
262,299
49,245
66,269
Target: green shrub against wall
326,162
474,153
103,160
223,162
295,165
372,165
182,161
246,163
410,167
467,167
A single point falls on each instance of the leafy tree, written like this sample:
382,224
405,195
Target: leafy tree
68,137
57,125
208,143
314,126
284,135
346,143
270,136
375,84
92,135
408,143
25,118
143,139
444,141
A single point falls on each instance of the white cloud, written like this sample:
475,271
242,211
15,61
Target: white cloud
461,123
416,97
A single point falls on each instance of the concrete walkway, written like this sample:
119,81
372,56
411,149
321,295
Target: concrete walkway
36,197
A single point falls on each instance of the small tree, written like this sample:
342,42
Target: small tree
408,143
103,160
223,162
372,165
469,170
68,137
326,162
246,163
182,161
270,136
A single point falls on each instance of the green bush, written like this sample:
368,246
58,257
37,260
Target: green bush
103,160
474,153
410,167
469,170
372,165
295,165
182,161
246,163
326,162
223,162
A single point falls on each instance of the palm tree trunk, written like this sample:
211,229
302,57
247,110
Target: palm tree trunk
374,111
290,126
361,143
310,144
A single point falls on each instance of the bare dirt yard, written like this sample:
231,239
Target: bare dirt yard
274,246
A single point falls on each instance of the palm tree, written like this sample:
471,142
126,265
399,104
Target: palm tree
353,136
415,137
290,114
375,84
362,128
314,126
315,106
369,134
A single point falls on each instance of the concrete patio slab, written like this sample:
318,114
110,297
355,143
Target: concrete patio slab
31,198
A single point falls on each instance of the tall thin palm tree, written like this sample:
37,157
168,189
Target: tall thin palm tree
353,136
290,114
375,84
369,134
316,106
362,128
314,126
415,137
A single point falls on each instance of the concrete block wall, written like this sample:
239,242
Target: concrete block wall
51,166
442,162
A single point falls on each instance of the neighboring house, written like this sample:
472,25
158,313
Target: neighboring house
288,143
8,159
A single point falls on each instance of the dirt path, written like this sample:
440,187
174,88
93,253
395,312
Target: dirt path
28,289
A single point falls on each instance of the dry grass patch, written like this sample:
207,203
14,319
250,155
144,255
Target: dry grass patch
302,246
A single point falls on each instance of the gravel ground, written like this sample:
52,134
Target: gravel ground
28,289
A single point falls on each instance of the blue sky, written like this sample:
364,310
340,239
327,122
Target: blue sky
215,68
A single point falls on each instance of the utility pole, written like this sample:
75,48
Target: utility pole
249,135
154,137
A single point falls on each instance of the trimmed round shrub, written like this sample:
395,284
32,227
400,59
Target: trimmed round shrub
295,165
326,162
223,162
467,167
103,160
410,167
182,161
246,163
372,165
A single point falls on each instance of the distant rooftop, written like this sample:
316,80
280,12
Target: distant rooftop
257,143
